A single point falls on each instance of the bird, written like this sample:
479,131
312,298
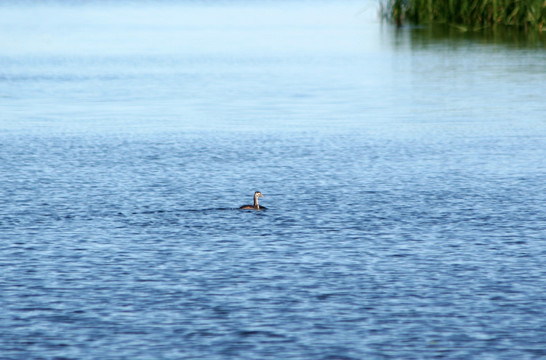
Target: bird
256,206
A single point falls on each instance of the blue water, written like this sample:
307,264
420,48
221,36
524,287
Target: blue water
403,172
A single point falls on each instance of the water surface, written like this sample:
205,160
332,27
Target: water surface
403,173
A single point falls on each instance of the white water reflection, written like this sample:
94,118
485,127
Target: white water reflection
294,65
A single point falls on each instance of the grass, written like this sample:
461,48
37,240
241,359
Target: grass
468,14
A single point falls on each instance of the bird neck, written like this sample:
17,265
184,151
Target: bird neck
256,205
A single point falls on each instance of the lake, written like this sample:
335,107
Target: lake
403,172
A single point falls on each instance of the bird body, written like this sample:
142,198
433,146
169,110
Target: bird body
256,205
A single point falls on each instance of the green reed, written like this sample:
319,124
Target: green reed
468,14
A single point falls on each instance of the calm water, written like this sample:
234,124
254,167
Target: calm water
403,171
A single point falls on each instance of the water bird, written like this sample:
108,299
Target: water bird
256,206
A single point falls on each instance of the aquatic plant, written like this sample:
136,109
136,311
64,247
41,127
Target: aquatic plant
468,14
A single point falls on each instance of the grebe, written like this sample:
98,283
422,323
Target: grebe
256,206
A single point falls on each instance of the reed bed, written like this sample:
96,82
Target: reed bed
468,14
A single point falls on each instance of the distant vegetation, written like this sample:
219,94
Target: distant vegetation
468,14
